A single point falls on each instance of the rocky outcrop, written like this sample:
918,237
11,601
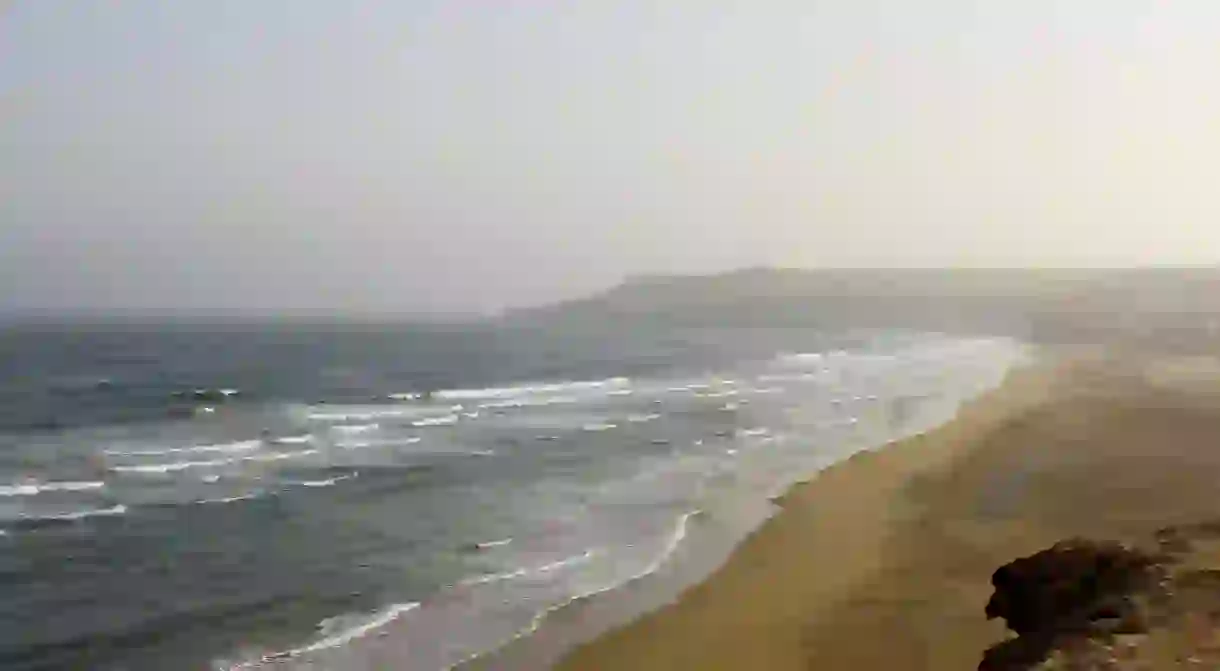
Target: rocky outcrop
1076,589
1102,605
1074,584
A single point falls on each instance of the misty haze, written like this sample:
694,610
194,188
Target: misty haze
609,335
446,157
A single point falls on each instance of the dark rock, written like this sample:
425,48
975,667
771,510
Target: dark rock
1069,583
1023,652
1076,590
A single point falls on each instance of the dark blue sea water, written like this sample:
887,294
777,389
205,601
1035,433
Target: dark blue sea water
345,496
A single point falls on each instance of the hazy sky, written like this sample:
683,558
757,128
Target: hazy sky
470,154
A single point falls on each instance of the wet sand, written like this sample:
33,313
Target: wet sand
884,561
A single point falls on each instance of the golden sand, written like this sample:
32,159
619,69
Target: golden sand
884,561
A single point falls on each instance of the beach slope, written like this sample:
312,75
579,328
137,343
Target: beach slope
884,561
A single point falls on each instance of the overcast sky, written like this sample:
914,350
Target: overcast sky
420,155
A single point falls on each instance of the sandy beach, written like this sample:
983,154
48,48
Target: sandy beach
884,561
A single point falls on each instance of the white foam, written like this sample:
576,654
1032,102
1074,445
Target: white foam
82,514
791,377
364,444
640,419
404,396
665,545
229,392
239,446
378,620
436,421
184,465
329,482
355,428
486,545
805,356
675,540
565,563
528,403
227,499
529,390
340,416
294,440
383,443
172,467
280,456
598,427
32,488
365,413
502,405
574,560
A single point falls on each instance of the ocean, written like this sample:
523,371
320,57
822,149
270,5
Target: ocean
221,495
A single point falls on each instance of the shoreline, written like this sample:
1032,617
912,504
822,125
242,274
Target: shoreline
704,541
704,547
898,544
566,635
